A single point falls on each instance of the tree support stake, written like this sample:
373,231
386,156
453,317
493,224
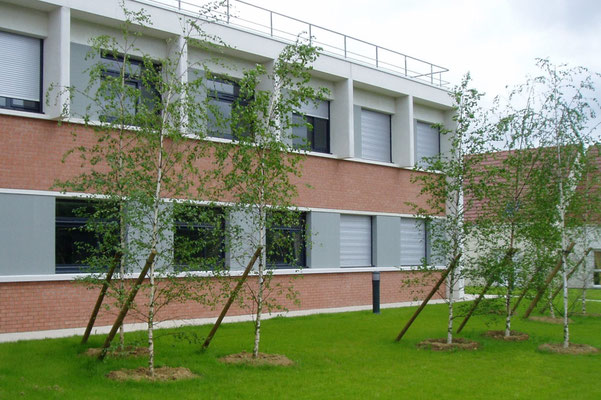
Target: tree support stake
127,305
541,290
232,297
427,299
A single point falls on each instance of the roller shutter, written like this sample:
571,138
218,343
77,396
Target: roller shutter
20,67
427,141
413,241
355,241
375,136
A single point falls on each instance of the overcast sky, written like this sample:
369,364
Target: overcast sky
496,40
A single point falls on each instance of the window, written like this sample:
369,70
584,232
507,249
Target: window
199,238
375,136
597,269
20,72
317,137
427,142
355,241
133,93
222,96
414,242
85,230
286,240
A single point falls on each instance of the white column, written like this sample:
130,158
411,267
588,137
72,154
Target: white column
56,62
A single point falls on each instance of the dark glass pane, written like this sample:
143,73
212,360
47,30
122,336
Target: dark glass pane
199,238
597,259
220,119
286,243
321,135
597,278
3,102
300,133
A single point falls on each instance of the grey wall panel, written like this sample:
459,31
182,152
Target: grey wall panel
26,235
357,130
355,241
375,136
243,243
323,251
80,77
386,241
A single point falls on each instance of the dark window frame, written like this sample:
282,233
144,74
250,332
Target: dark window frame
183,227
77,224
310,139
226,98
300,228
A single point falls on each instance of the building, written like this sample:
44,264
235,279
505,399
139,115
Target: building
377,122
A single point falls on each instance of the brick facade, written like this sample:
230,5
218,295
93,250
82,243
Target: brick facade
37,306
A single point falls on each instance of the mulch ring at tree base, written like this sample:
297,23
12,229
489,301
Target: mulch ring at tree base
574,348
550,320
442,345
160,374
129,351
262,359
513,337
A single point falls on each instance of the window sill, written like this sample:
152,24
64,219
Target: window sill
27,114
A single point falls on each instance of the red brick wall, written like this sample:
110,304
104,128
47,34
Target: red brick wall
32,151
33,306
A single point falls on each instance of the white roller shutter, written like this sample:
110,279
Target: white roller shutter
319,109
20,67
427,140
413,241
355,241
375,136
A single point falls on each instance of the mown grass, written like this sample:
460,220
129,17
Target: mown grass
338,356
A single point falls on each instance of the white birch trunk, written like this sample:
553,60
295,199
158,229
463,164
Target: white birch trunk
450,282
262,263
508,313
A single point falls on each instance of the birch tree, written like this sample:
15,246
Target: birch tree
568,107
444,189
262,162
143,113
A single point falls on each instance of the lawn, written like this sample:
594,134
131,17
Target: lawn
337,356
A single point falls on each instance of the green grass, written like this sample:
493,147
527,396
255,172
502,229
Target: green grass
338,356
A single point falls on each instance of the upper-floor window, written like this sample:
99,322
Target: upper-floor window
427,142
85,231
375,136
20,72
286,240
597,268
222,95
315,137
199,238
122,100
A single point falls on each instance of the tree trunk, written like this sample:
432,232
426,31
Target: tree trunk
450,281
262,262
508,311
151,323
566,326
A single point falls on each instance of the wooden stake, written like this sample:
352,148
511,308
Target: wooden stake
427,299
489,283
548,281
554,295
105,286
127,305
231,299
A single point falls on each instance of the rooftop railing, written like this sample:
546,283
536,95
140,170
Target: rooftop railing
273,24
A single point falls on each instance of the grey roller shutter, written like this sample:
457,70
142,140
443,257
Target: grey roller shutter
20,67
427,140
355,241
319,109
413,241
375,136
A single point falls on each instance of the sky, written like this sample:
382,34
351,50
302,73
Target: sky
497,41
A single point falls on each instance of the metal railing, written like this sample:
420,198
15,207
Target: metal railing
270,23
